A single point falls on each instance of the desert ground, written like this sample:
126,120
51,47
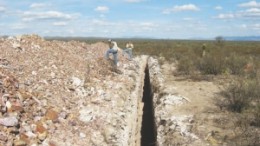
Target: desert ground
64,93
201,121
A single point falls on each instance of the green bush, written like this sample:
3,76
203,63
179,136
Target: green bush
256,115
240,94
235,98
212,64
185,66
187,63
244,133
235,63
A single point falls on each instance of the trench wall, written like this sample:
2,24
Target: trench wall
135,118
142,123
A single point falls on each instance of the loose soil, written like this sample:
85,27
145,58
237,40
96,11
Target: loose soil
210,123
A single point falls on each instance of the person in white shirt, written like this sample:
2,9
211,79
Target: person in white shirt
129,49
113,49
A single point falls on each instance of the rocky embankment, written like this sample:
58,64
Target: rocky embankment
56,93
169,128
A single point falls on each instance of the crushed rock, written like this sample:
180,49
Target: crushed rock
65,93
171,129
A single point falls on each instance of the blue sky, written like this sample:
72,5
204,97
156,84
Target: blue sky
177,19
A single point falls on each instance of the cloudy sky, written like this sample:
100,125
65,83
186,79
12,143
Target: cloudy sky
177,19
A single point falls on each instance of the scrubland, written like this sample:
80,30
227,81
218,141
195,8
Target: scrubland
233,64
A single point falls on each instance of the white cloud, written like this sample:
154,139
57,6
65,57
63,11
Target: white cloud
2,9
188,19
38,5
60,23
30,15
244,26
253,4
218,8
18,26
251,26
147,24
256,26
188,7
99,22
253,10
102,9
71,31
133,1
251,13
226,16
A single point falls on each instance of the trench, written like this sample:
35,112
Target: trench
148,129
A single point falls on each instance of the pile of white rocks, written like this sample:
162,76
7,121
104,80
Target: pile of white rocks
172,129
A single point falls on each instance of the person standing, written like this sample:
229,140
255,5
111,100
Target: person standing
113,49
129,50
203,54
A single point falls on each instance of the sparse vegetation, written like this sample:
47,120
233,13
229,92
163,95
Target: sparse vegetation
239,61
240,94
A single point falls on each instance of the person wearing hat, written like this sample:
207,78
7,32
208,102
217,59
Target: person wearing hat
128,50
113,49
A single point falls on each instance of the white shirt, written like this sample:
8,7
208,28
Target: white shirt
115,47
129,46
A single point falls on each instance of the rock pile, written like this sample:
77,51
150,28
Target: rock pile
57,93
171,129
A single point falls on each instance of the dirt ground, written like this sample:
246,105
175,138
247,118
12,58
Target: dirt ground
210,125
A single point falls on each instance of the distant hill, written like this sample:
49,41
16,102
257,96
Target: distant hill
243,38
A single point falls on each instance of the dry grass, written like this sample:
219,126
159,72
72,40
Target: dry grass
216,58
239,59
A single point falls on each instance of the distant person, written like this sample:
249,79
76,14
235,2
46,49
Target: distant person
129,50
113,49
203,54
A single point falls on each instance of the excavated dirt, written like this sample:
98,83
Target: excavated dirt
56,93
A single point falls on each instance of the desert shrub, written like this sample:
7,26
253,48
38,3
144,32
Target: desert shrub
255,110
251,69
244,134
235,63
187,63
256,101
239,94
185,66
212,64
235,98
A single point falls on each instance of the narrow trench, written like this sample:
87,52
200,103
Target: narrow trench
148,130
